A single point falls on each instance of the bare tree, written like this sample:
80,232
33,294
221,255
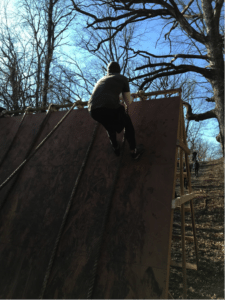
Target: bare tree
27,52
15,70
115,49
47,20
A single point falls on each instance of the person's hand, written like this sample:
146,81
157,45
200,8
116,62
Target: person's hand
142,96
134,95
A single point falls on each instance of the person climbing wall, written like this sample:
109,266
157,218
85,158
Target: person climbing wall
104,107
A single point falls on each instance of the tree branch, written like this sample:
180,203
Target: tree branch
175,56
194,16
217,11
179,17
84,12
176,23
168,72
167,10
198,117
218,138
187,68
186,26
212,99
148,80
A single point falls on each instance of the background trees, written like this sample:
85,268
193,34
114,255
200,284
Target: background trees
38,66
199,28
29,51
15,70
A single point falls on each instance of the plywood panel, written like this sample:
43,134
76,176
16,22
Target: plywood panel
134,250
32,215
23,139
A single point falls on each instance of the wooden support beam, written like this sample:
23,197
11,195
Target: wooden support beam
182,199
183,146
182,212
184,174
179,265
186,209
178,237
178,225
172,91
194,231
184,263
57,106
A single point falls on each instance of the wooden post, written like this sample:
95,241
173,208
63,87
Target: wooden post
194,232
182,151
183,252
171,220
182,206
190,191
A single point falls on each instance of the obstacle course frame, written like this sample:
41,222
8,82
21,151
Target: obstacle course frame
134,255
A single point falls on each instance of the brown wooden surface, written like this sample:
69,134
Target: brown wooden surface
134,254
183,146
16,155
56,106
182,143
182,199
188,266
172,91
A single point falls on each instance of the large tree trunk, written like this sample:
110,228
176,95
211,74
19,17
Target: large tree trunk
214,47
216,63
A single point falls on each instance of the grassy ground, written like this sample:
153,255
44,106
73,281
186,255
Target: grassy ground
208,281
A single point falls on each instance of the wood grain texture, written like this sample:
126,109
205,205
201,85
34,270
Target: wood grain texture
134,253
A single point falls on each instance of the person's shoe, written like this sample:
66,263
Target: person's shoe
138,152
117,150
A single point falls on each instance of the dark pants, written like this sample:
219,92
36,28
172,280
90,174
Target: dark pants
114,121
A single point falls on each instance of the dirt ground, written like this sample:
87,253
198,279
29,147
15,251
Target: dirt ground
208,281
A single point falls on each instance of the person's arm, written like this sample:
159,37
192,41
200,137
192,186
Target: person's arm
127,97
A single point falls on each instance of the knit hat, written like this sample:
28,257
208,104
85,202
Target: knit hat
113,67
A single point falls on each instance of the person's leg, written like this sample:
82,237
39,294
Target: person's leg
125,121
114,120
112,136
130,133
106,117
